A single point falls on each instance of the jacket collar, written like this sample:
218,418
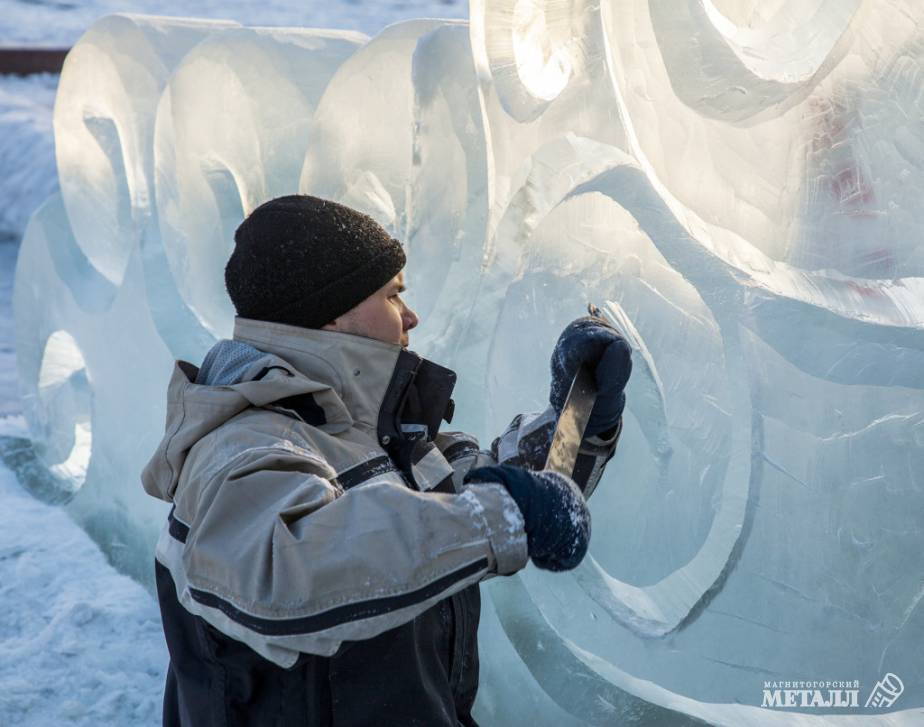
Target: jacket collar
357,369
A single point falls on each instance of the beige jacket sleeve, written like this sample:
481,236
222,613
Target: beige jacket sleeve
277,555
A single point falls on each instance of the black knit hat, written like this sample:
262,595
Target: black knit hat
304,261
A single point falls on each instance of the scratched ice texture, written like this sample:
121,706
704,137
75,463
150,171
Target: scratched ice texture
736,183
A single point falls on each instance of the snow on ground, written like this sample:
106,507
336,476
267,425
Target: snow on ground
61,22
9,392
27,150
81,644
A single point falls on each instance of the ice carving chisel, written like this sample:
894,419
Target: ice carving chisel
569,431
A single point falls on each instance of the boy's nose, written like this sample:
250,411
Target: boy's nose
410,319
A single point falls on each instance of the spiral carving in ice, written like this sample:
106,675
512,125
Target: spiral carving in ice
735,183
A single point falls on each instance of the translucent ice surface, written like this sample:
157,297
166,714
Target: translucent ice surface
104,128
736,183
259,88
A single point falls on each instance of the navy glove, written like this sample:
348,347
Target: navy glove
593,341
556,516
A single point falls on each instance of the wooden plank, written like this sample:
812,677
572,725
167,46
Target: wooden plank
25,61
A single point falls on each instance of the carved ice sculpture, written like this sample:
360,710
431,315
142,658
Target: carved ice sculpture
736,182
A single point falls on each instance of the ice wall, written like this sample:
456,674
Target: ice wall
735,182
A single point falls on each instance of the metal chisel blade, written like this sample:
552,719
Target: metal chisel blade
569,431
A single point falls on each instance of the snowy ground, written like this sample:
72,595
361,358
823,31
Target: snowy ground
9,394
27,152
81,644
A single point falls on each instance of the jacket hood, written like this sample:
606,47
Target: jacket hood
347,375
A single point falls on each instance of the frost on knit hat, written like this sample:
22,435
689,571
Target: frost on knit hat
305,261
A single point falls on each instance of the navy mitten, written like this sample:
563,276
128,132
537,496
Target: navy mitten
556,516
593,341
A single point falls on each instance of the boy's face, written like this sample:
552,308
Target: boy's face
383,316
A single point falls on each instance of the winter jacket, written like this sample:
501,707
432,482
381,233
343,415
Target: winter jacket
320,562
